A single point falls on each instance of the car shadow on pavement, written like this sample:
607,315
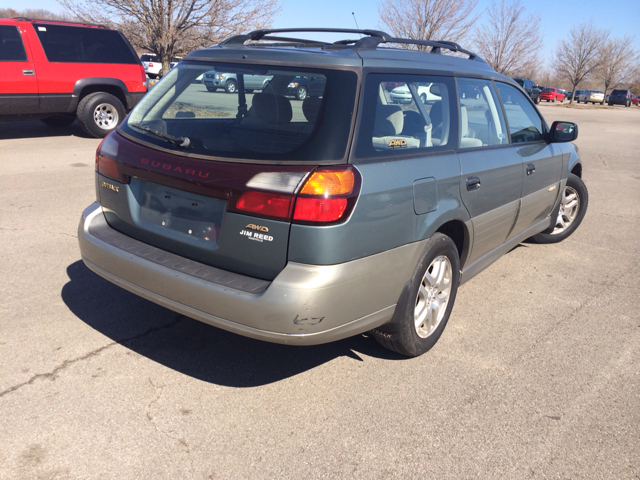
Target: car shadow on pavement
37,129
192,347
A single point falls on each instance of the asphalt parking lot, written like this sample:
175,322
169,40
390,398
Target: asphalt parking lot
536,376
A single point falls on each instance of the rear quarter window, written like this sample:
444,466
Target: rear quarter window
406,114
67,44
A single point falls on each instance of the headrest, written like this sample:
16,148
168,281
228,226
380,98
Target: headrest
389,121
272,108
464,121
436,114
311,108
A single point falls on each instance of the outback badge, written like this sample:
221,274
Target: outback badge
110,186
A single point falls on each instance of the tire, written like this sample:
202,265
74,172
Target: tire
569,215
100,113
423,98
416,326
301,92
231,86
553,101
152,76
537,100
211,89
58,121
547,101
628,104
248,90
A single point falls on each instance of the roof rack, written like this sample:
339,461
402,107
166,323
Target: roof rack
76,22
372,39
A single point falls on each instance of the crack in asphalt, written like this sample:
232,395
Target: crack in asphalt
52,374
170,433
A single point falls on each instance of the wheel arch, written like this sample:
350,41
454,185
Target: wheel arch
459,232
87,86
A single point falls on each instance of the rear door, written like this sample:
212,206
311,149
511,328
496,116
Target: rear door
18,80
491,169
541,162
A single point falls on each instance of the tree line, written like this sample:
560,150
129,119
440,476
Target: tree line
506,34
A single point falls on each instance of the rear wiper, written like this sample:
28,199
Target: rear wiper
182,142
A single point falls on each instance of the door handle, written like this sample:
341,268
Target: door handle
28,72
531,168
473,183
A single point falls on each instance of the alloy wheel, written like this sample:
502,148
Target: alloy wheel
106,116
569,206
433,296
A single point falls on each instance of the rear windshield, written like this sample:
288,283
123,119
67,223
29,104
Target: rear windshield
623,92
63,43
548,89
149,58
281,114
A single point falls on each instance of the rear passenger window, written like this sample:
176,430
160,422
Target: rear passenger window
525,125
63,43
481,119
11,46
404,114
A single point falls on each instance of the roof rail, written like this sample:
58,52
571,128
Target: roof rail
76,22
372,39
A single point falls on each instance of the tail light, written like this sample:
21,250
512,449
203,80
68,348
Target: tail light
327,197
105,160
143,74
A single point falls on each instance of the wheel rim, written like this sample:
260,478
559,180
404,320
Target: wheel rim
106,116
231,87
302,93
569,206
433,296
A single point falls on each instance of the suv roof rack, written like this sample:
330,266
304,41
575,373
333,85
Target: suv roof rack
372,39
77,22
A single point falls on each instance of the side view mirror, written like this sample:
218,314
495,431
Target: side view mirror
563,132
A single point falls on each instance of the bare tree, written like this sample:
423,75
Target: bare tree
578,56
170,28
510,39
617,62
450,20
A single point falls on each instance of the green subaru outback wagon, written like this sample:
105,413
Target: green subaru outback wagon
357,209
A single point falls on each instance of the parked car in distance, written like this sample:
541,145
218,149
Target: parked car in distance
302,87
577,94
620,97
402,94
634,99
530,87
591,96
229,81
551,94
59,71
305,222
153,65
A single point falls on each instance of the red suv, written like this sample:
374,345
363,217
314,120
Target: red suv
551,94
59,71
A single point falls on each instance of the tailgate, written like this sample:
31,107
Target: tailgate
186,206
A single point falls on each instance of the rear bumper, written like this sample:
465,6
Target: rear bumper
303,305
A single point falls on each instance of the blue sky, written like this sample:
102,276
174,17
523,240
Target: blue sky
621,17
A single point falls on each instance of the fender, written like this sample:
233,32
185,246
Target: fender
98,81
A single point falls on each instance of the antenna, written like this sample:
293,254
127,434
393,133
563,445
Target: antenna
354,19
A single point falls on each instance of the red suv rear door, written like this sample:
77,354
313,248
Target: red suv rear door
18,81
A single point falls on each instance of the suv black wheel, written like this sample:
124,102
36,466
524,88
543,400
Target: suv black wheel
99,113
537,100
423,311
301,93
231,86
58,120
570,212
